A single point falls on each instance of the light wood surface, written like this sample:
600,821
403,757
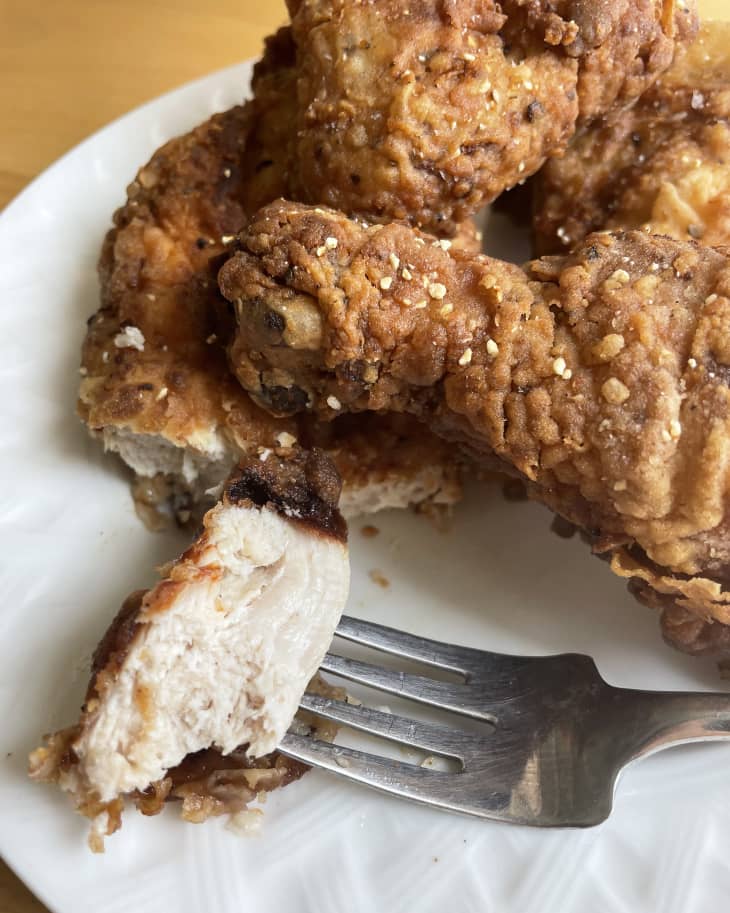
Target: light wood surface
67,67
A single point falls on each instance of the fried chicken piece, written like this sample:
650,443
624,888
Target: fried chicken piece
663,165
428,110
214,659
600,378
157,388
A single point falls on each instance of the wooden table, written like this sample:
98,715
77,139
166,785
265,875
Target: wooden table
67,68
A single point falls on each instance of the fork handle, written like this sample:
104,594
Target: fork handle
659,719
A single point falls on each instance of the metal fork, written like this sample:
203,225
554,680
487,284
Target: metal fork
560,735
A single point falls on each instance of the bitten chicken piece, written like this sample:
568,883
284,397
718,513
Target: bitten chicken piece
663,165
219,653
601,378
428,110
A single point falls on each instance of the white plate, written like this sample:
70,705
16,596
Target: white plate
72,548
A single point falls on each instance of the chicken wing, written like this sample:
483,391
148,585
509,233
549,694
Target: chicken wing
600,378
428,110
663,165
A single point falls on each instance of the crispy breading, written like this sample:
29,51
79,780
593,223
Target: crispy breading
156,376
663,165
601,378
427,110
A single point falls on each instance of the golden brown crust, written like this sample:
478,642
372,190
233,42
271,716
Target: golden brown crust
157,278
688,632
304,487
664,164
266,161
602,377
154,361
427,110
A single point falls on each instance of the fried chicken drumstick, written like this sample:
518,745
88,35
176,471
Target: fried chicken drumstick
428,110
664,164
600,378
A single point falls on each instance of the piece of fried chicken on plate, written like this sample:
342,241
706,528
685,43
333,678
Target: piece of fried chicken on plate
427,111
664,165
599,378
156,386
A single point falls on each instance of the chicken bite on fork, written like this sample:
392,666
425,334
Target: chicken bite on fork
600,378
200,677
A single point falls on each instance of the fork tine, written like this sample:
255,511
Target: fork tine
433,737
433,787
399,643
455,697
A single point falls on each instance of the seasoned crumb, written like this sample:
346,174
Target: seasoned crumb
620,276
437,290
614,391
609,346
369,531
130,338
286,440
378,577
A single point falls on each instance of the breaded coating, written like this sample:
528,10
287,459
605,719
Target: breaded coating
663,165
428,110
272,110
152,359
600,378
156,385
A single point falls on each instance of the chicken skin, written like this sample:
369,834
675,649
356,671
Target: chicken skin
156,386
428,110
600,378
663,165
